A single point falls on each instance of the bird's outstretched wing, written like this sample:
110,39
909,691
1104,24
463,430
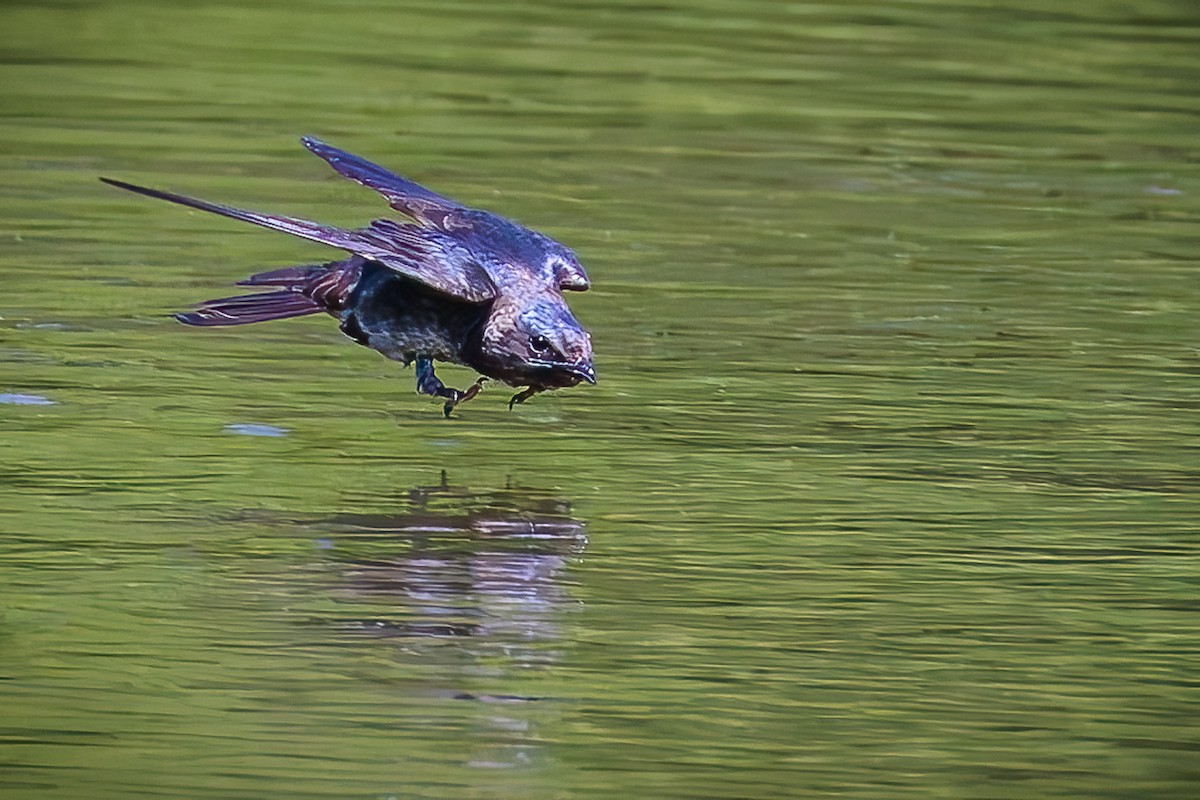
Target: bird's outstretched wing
432,257
402,248
427,207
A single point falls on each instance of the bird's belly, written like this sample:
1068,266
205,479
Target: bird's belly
403,319
406,344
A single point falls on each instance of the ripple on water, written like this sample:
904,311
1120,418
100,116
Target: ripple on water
15,399
253,429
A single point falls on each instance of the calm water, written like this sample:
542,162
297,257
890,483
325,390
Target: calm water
888,489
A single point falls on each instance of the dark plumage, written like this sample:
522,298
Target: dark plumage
455,284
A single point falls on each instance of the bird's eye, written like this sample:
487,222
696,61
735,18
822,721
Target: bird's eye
540,344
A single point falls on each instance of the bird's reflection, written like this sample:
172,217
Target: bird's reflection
454,563
469,591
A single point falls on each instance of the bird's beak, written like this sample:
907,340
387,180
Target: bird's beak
584,370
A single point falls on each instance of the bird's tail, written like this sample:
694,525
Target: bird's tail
247,308
299,291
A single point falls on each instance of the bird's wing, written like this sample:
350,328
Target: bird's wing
427,207
313,231
398,247
570,275
431,257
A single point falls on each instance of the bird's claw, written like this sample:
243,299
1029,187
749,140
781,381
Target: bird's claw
521,397
429,383
462,397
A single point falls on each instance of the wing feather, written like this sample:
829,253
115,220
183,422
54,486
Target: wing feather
422,254
432,257
402,194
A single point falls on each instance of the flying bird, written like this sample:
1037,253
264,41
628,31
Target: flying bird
451,283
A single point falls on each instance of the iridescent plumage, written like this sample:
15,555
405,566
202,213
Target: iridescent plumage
455,284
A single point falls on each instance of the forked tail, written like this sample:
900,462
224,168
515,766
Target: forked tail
305,290
247,308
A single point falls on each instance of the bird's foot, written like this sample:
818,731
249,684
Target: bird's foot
429,383
462,397
517,399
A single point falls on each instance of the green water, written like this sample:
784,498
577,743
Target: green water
888,488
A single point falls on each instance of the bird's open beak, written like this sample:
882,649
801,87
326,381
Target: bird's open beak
585,371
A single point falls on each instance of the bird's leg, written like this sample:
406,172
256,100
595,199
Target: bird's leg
517,399
429,383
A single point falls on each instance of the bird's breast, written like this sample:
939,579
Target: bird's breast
403,319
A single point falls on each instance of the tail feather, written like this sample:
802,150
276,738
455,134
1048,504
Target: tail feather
288,276
244,309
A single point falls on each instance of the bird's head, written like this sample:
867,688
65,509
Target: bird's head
538,343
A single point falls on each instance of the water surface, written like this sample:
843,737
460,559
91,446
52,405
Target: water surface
888,488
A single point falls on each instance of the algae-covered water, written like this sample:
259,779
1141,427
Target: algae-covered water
889,487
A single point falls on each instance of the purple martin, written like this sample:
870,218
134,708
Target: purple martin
450,283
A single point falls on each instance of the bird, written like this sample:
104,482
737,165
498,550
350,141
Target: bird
449,283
